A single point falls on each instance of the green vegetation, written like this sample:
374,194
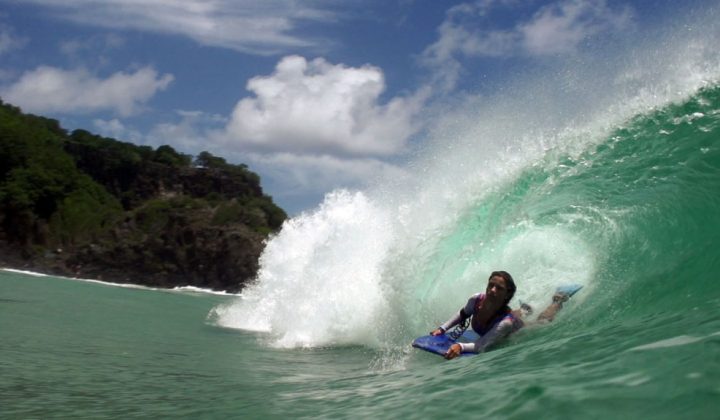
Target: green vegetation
92,196
44,199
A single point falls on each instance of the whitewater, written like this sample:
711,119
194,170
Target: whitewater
603,171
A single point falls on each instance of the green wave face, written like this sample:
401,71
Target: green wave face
635,218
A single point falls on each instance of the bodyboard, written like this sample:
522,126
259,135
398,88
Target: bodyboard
569,289
440,344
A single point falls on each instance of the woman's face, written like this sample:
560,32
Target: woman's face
497,289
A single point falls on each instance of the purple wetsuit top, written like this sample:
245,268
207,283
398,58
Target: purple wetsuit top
502,326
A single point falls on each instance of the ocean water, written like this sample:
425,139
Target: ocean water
604,173
325,331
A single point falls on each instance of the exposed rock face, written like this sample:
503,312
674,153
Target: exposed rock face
184,248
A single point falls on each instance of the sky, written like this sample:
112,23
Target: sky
312,95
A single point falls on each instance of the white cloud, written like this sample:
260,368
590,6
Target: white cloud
318,174
556,28
9,41
114,128
310,127
190,133
49,89
6,75
293,175
323,108
73,47
561,27
260,27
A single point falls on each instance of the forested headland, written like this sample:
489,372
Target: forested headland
79,204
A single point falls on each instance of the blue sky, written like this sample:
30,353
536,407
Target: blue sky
312,95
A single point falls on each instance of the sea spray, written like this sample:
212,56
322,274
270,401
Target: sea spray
320,281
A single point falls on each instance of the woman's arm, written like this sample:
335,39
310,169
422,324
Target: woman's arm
501,330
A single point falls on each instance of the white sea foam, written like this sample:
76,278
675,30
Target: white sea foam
193,289
35,274
29,273
681,340
182,289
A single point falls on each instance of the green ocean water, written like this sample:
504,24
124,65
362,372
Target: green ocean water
325,332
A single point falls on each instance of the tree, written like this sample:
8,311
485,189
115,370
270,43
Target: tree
168,156
207,160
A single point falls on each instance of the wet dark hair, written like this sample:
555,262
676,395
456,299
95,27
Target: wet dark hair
509,284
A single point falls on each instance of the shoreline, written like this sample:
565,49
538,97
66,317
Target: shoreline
182,289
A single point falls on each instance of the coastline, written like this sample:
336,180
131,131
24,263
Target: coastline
63,264
180,289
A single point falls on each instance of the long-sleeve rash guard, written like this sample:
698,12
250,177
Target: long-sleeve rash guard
503,326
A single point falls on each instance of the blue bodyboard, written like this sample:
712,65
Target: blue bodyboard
569,289
440,344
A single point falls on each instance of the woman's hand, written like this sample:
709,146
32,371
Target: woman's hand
437,332
454,351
